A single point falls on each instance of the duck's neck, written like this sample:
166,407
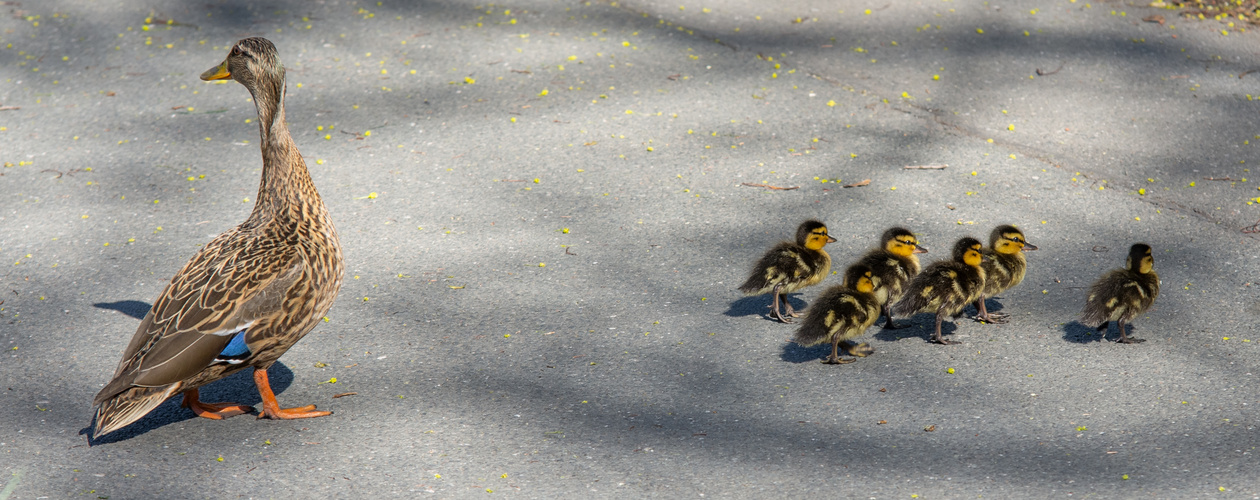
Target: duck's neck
284,175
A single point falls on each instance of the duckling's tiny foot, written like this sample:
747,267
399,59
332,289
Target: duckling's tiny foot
836,360
889,325
993,318
790,312
860,350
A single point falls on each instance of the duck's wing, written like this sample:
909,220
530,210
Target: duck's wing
219,293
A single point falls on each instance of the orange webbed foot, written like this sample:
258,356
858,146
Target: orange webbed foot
213,411
272,409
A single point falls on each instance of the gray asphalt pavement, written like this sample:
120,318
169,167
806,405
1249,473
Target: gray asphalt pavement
545,211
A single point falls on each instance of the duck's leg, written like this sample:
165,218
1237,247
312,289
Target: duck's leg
777,314
214,411
835,359
985,316
1125,339
272,409
936,336
888,323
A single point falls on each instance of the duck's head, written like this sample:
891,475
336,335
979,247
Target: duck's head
967,251
1140,259
860,278
252,62
901,241
1009,239
812,234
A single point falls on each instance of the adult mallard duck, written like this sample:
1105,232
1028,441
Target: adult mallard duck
893,265
946,287
1122,294
791,266
1004,267
249,294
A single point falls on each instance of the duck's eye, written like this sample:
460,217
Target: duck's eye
236,51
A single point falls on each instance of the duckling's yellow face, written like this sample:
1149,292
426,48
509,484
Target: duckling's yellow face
818,238
1012,242
1146,264
972,257
866,283
904,245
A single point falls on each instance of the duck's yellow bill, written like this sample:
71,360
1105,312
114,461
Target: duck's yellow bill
219,72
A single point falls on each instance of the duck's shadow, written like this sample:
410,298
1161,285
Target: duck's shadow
238,388
759,305
1080,334
133,308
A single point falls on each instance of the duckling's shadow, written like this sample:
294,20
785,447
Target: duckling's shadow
760,305
796,353
133,308
1077,333
989,304
920,325
237,388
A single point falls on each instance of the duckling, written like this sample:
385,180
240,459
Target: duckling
1122,294
893,266
1004,267
791,266
842,313
946,287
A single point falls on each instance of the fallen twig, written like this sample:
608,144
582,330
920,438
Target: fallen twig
1218,179
767,186
1048,73
1254,228
9,108
924,167
857,184
344,394
1248,72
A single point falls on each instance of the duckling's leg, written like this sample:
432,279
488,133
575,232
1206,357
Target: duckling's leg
936,337
271,408
986,316
787,304
835,358
1125,339
777,314
888,323
214,411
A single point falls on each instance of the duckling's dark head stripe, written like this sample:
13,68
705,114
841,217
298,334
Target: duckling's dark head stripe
809,227
897,233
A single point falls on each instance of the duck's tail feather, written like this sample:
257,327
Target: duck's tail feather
129,406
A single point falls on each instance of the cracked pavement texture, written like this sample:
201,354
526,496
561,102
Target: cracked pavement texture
546,224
